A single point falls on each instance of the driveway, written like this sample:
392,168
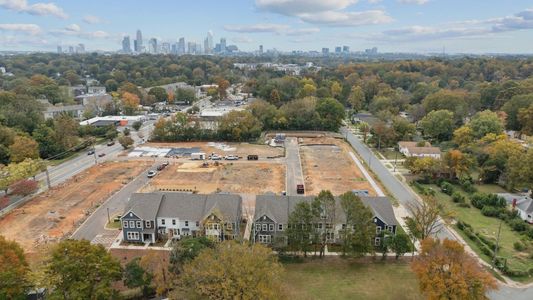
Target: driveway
294,165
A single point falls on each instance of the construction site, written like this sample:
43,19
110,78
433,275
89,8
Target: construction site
53,215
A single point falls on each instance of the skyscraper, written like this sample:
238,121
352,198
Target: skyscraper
223,45
208,47
325,51
338,49
126,44
80,48
139,42
152,46
260,49
59,49
181,46
345,49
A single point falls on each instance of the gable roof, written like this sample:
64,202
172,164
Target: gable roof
278,208
410,144
523,202
194,207
424,150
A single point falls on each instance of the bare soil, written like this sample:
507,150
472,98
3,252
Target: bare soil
56,213
232,177
327,165
240,149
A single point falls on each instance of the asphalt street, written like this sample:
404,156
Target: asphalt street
294,166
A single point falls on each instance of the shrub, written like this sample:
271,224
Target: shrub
518,225
24,187
446,188
458,197
466,184
486,240
530,233
519,246
4,201
490,211
465,205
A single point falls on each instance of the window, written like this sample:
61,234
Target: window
319,225
280,227
390,228
257,227
162,221
186,223
173,221
329,226
125,224
139,224
264,239
377,241
330,236
229,226
343,226
132,224
270,227
197,224
133,236
378,229
148,224
265,227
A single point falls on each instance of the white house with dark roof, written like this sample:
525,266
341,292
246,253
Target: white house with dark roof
411,149
149,217
272,212
522,204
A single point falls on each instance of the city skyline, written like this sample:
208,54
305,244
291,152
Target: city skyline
421,26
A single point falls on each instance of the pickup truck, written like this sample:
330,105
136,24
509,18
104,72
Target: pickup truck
231,157
300,189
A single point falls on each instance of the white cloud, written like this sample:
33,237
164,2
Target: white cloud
418,2
256,28
32,29
302,31
18,41
75,30
330,13
295,7
39,9
241,39
90,19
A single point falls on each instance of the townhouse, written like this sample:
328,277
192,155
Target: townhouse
150,217
272,218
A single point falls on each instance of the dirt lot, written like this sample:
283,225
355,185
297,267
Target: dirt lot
55,214
327,165
240,149
239,177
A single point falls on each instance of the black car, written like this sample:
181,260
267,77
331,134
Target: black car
101,155
111,143
91,152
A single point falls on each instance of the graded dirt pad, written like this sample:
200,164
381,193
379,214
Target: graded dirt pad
240,149
232,177
327,165
55,214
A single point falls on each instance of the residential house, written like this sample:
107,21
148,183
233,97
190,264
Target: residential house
522,204
52,111
96,101
272,217
411,149
172,215
96,90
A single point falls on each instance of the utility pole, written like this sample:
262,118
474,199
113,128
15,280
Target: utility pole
48,178
108,219
497,244
395,159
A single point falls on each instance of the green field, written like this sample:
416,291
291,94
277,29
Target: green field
488,227
337,278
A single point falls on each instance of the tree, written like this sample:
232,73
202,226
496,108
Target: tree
300,228
14,277
23,147
274,97
335,90
125,141
126,131
323,207
463,136
186,95
400,244
520,169
137,125
424,219
438,125
453,101
15,172
136,277
155,263
186,250
457,163
356,98
239,126
358,234
485,122
130,103
234,271
331,113
223,85
66,131
24,187
159,93
364,128
79,270
513,107
525,118
446,271
308,90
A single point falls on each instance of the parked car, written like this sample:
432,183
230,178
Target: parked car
91,152
101,155
231,157
216,157
151,173
253,157
110,143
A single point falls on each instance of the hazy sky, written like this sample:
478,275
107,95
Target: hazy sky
472,26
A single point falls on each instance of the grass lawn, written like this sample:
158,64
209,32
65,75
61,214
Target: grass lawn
489,228
113,225
337,278
390,153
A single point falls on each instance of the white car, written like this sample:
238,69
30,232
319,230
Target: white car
151,173
231,157
216,157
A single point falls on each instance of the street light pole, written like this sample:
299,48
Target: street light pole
395,160
497,244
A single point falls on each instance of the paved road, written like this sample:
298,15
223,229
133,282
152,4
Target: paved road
405,196
402,193
294,166
94,225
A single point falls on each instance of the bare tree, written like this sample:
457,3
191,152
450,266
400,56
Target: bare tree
424,220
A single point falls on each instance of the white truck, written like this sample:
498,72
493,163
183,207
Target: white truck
198,156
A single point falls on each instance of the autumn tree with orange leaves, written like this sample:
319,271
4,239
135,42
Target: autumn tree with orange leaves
446,271
14,271
130,103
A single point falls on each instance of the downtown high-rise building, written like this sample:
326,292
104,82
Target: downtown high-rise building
126,44
138,44
152,46
181,46
59,49
223,45
208,43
